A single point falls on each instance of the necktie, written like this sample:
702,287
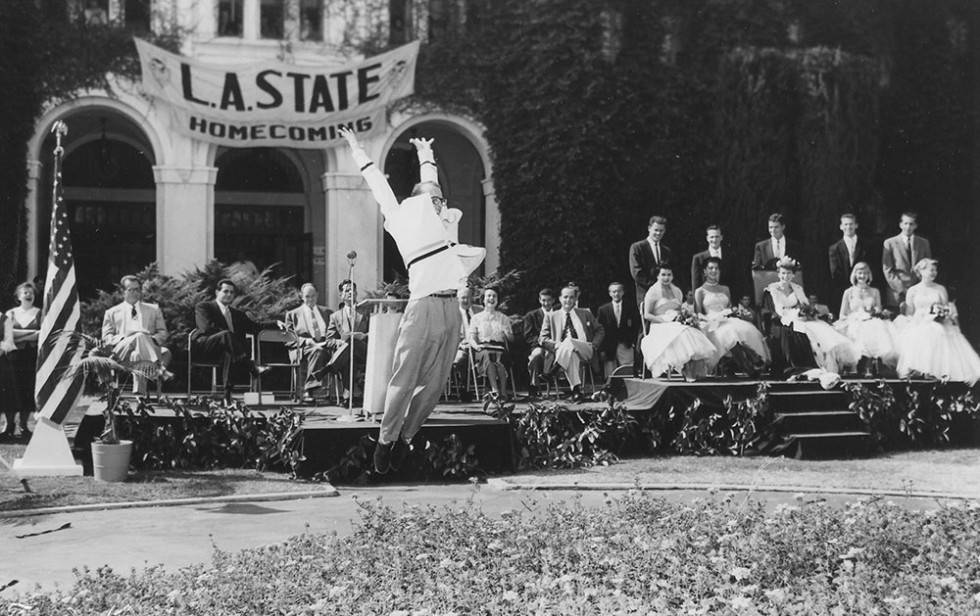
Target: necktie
316,325
656,252
908,248
134,314
569,330
618,310
779,249
227,314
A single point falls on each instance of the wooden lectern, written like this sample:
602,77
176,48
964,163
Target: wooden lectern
386,315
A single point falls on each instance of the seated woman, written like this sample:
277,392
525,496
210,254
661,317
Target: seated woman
931,342
489,334
670,344
873,337
798,342
731,335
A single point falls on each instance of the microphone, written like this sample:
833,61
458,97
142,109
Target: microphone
351,257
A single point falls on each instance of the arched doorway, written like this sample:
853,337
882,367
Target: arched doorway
260,209
110,192
461,175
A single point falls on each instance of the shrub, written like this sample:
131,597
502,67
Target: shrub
636,554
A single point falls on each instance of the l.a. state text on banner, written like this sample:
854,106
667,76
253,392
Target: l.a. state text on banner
277,104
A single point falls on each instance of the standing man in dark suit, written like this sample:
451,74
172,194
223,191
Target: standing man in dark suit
221,332
573,335
844,255
621,322
768,252
714,237
647,255
539,360
309,323
645,259
899,257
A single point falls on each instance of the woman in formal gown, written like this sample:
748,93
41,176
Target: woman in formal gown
828,348
25,321
731,335
669,344
931,343
860,310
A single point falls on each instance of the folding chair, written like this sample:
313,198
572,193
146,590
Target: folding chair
287,340
214,366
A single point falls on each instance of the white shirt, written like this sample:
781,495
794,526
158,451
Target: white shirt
131,324
226,312
418,230
777,247
714,252
313,316
618,311
655,247
851,243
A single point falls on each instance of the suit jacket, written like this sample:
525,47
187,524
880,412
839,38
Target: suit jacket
532,327
339,324
210,321
623,333
763,259
643,267
899,273
727,270
554,323
300,324
840,262
114,321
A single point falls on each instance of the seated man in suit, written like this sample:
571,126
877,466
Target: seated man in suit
572,334
309,323
461,362
539,360
348,329
221,332
898,259
137,332
621,322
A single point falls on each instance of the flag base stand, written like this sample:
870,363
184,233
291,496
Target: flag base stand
48,454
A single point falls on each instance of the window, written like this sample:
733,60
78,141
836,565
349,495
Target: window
310,20
271,14
230,17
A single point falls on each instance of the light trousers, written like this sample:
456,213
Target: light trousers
428,337
569,354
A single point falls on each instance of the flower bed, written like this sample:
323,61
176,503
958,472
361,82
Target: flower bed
635,555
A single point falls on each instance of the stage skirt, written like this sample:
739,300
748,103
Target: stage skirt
939,350
676,346
873,338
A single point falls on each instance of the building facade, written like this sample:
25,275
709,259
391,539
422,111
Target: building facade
140,192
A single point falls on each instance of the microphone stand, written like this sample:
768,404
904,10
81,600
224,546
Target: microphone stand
351,259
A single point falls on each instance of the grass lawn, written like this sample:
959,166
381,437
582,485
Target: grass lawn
955,471
142,486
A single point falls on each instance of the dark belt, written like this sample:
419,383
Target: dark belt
445,295
427,255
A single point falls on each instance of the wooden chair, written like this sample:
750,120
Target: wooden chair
214,366
288,341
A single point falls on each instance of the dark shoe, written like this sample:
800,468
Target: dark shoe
382,457
399,453
576,395
7,436
25,435
532,392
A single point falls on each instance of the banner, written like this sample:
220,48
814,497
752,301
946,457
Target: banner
276,104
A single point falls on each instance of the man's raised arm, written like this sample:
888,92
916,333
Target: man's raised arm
427,162
375,178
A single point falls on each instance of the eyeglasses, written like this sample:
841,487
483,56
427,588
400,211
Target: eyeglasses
438,201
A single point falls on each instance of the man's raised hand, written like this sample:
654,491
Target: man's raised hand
350,136
421,144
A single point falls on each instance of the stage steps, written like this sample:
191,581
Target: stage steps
817,424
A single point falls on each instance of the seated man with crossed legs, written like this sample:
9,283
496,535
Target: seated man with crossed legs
572,334
137,332
309,323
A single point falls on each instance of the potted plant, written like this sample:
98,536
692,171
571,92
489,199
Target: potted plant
110,454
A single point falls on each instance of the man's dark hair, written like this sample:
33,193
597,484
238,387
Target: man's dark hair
776,218
340,287
657,219
225,281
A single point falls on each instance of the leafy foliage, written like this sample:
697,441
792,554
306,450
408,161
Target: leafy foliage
735,430
637,554
552,436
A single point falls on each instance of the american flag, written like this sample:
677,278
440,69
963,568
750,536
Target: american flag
56,396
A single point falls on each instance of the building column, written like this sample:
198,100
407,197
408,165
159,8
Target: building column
32,203
185,217
353,222
491,227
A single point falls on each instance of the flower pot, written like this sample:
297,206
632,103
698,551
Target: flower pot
111,462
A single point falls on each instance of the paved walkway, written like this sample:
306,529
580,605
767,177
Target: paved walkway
44,549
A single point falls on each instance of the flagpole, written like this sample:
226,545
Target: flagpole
48,453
